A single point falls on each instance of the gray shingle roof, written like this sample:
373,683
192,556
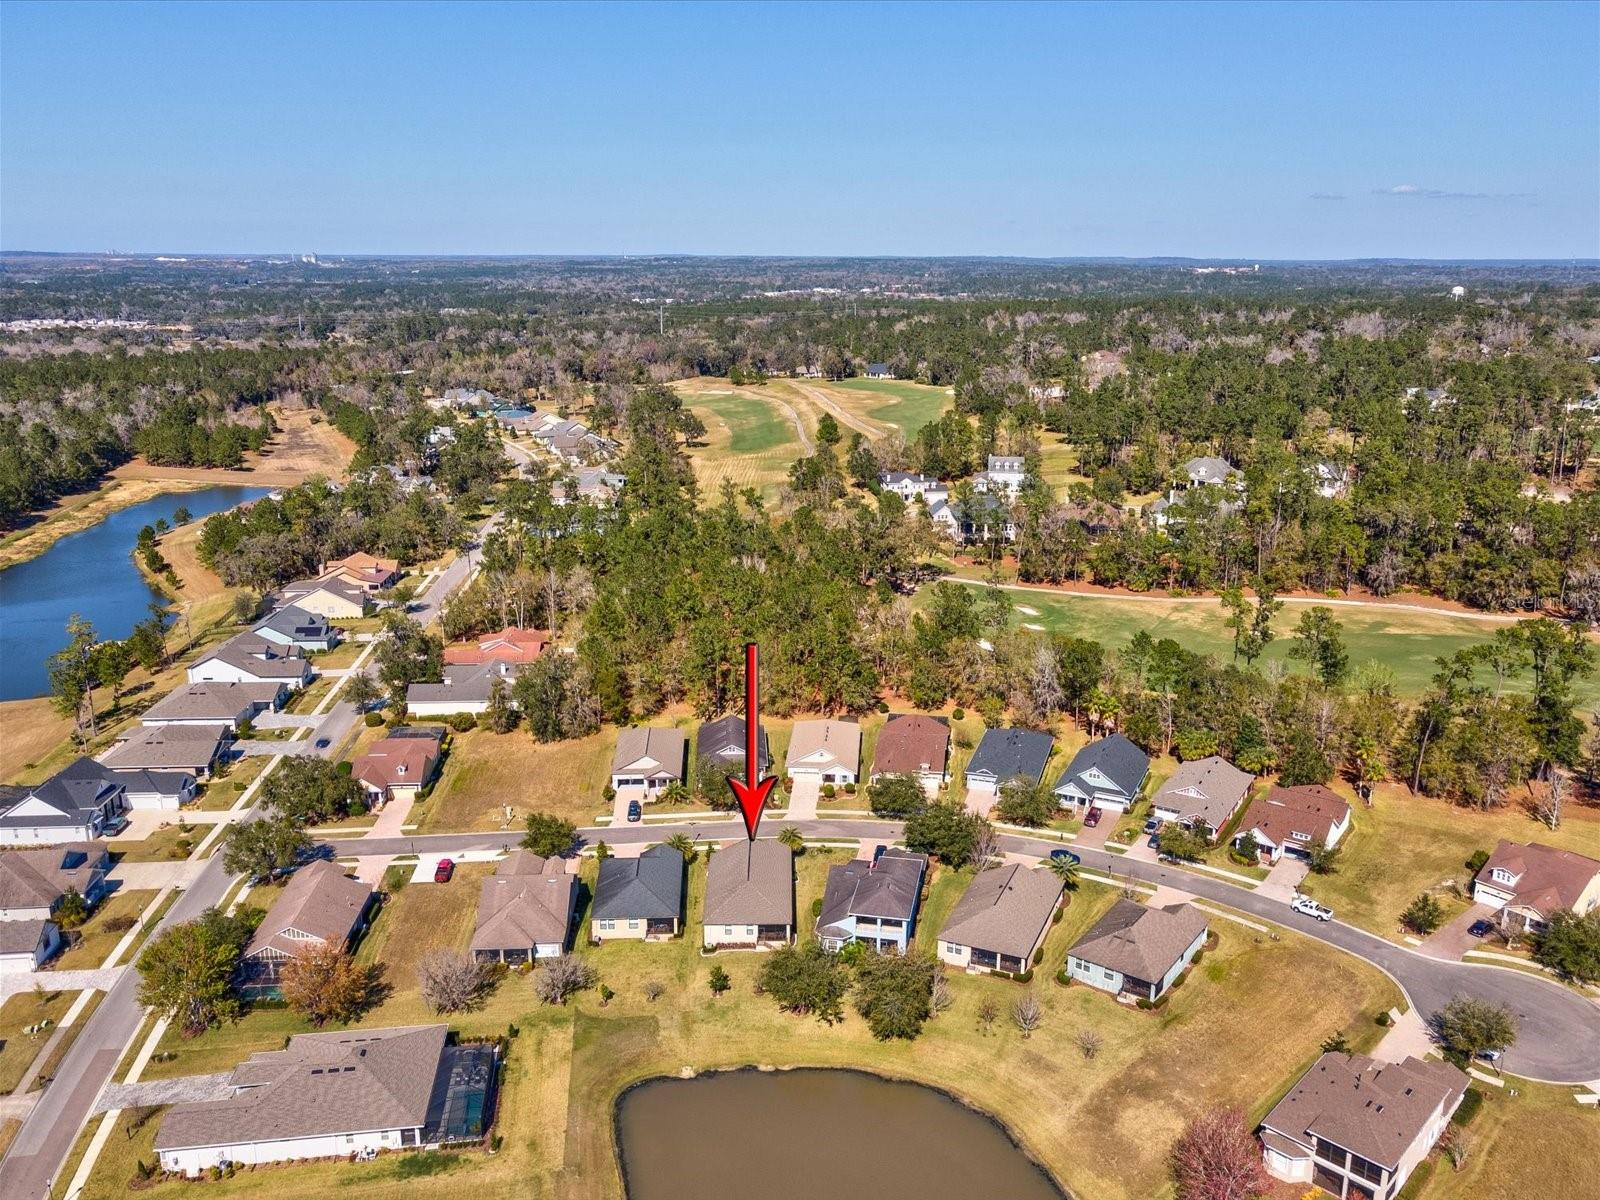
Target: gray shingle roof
23,937
321,1083
466,683
750,883
320,900
724,739
650,886
76,792
1115,757
887,886
297,623
1139,941
1004,910
528,902
38,878
1008,753
1207,789
166,747
666,747
221,702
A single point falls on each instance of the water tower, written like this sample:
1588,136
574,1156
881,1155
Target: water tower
1457,292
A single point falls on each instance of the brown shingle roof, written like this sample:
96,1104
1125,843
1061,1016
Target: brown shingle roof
404,762
1311,810
911,744
1374,1109
1547,878
528,902
1142,942
750,883
320,900
321,1083
38,878
668,748
1004,909
839,740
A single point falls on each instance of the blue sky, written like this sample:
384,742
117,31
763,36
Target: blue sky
1253,131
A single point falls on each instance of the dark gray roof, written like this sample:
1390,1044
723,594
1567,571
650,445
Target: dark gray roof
1142,942
295,622
724,739
22,937
887,886
159,783
1008,753
1115,757
750,883
644,887
76,791
1004,910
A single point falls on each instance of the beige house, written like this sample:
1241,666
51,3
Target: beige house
1002,920
639,898
1357,1127
525,910
1528,883
648,760
332,596
320,906
1207,791
366,571
828,751
749,896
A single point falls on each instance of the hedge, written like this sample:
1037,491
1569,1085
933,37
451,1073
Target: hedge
1471,1102
1418,1181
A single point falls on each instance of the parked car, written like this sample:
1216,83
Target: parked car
635,813
323,743
114,826
1306,906
1481,928
1153,825
445,869
1066,856
1092,818
1155,841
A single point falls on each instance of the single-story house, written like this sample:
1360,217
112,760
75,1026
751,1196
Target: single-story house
1291,819
915,745
1528,882
1137,951
720,743
749,895
509,645
526,910
73,805
292,625
1107,773
331,596
331,1095
880,371
639,898
1357,1127
191,748
213,704
649,760
463,688
27,945
828,751
251,658
395,768
166,790
874,902
1207,791
1000,923
595,484
319,906
1006,754
366,571
34,882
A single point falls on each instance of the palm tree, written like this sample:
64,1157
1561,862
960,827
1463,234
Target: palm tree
1066,870
792,839
684,845
1103,708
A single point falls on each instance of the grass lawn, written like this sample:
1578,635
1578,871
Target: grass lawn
94,939
1103,1125
750,437
167,843
224,789
342,655
1058,464
1407,642
1538,1142
48,1068
17,1048
905,405
487,771
305,701
1406,844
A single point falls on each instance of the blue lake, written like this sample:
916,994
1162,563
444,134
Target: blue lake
91,573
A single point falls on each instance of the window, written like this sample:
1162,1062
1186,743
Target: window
1108,974
632,924
727,931
607,925
1501,875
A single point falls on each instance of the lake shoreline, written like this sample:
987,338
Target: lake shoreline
84,510
944,1092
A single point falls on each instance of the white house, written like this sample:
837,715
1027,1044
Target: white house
73,805
1528,882
826,751
1105,774
1004,476
332,1095
251,658
1290,820
27,945
649,760
911,486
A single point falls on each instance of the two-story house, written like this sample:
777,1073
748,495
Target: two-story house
874,902
73,805
1528,882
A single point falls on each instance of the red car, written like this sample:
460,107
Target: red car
445,869
1092,818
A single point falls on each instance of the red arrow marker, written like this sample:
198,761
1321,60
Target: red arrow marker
750,792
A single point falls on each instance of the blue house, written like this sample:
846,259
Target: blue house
873,902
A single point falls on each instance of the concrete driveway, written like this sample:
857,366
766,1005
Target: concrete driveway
980,800
619,806
1451,940
1283,881
803,800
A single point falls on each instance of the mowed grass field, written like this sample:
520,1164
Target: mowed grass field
1102,1125
1406,641
754,433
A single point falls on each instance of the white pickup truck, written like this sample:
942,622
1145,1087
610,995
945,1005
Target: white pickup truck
1308,907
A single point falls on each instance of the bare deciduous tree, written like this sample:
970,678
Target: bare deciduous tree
940,998
988,1014
1215,1158
1089,1041
653,989
1548,808
450,981
558,978
1027,1014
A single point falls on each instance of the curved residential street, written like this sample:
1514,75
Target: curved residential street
1558,1039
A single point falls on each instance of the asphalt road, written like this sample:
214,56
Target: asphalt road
1558,1039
